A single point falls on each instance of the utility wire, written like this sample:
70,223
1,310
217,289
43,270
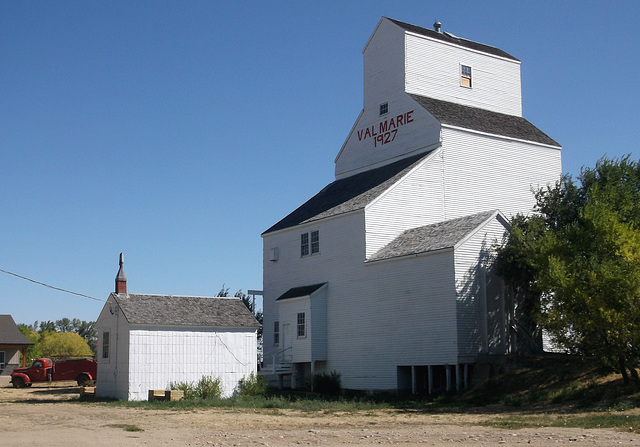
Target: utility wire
51,287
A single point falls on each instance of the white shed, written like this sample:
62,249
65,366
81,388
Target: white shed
148,341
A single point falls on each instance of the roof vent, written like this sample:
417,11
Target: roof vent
438,27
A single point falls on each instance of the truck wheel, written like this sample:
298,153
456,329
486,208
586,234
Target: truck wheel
83,380
18,382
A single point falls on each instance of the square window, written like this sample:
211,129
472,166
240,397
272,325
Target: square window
302,330
384,108
465,76
276,332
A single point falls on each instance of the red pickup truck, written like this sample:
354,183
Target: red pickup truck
83,371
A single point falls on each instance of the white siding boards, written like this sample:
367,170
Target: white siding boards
402,294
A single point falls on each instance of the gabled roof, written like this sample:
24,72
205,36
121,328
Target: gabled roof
296,292
450,38
484,120
10,334
171,310
348,194
431,237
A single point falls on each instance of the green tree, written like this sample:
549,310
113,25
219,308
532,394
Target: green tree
576,264
33,352
64,345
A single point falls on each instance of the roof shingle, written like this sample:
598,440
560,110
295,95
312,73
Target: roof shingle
10,334
431,237
171,310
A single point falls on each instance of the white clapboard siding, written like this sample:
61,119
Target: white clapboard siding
433,70
383,64
359,153
481,311
288,312
160,356
484,173
113,372
414,201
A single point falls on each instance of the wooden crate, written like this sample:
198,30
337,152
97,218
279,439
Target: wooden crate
165,395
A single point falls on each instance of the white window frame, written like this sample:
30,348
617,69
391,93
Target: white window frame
466,77
3,356
301,325
106,342
309,243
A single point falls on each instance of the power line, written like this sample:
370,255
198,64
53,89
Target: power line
50,286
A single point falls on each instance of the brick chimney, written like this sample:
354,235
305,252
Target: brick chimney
121,278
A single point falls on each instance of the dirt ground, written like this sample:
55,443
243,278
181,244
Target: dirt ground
50,414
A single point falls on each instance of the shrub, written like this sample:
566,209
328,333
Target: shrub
253,385
206,388
324,383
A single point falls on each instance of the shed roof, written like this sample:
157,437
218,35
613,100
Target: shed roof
172,310
483,120
431,237
10,334
348,194
300,291
450,38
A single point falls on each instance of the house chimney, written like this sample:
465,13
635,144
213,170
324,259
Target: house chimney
438,27
121,278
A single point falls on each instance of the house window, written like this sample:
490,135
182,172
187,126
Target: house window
302,328
310,245
2,365
465,76
105,345
384,108
276,332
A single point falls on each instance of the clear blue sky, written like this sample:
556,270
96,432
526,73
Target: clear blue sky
178,131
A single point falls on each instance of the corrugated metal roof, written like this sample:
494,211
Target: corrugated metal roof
450,38
172,310
431,237
348,194
10,334
300,291
484,120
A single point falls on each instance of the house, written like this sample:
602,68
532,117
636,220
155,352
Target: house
12,343
386,276
147,342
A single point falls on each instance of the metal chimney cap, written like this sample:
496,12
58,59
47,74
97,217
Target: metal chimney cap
437,26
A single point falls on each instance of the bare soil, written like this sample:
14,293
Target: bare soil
52,415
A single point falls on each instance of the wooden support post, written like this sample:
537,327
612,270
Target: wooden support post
430,379
448,369
413,380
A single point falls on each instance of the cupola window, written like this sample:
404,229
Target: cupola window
465,76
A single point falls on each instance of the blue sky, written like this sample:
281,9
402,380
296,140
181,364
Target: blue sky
178,131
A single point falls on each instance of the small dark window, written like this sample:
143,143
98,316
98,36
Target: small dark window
315,242
276,332
304,244
105,345
384,108
302,329
465,76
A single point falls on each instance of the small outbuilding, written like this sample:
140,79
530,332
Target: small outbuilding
149,341
12,343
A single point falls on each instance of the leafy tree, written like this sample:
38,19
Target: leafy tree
64,345
32,352
575,265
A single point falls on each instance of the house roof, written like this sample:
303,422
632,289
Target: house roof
10,334
348,194
484,120
171,310
431,237
300,291
450,38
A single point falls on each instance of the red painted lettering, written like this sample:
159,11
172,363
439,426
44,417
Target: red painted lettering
360,135
409,117
399,120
